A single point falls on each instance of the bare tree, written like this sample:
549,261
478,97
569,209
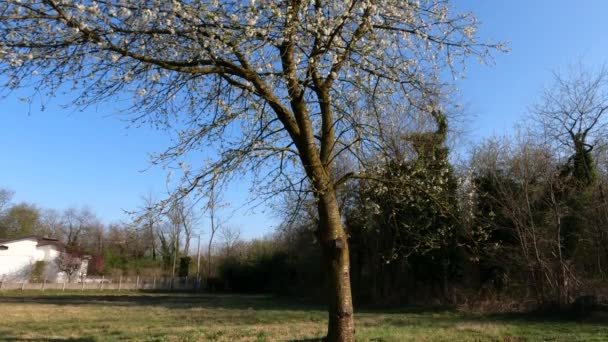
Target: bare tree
5,198
301,82
213,203
149,219
182,213
76,223
174,230
573,110
51,222
573,114
527,188
231,236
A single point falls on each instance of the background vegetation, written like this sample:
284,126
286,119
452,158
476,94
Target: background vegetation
523,219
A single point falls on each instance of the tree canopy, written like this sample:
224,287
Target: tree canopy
281,75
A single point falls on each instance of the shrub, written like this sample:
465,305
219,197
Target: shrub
184,266
37,273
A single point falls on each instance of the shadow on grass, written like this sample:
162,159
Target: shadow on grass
167,300
186,300
591,317
449,317
397,317
9,338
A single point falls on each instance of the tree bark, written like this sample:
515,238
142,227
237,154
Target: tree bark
334,244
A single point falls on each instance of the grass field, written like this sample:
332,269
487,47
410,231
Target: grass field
132,316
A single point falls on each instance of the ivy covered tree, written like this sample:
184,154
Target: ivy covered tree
572,113
276,88
404,217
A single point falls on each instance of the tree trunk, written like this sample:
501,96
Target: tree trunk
334,244
152,241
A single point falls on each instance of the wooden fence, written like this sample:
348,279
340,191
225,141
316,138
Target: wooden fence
102,284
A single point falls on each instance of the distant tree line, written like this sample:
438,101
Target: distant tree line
144,246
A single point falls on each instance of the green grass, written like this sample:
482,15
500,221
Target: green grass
133,316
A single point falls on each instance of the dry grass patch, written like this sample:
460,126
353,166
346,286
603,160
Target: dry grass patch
135,316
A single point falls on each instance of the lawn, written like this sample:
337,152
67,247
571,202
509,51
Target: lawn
133,316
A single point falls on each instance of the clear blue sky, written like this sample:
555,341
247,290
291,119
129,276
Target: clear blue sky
543,35
60,158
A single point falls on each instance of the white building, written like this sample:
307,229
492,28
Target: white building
18,257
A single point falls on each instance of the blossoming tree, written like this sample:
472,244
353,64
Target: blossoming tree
276,88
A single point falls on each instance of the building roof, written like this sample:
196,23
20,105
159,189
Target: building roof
42,241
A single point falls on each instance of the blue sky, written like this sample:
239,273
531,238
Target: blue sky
61,158
543,35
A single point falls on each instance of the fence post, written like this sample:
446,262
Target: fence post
22,285
137,283
82,287
101,284
120,282
154,283
63,287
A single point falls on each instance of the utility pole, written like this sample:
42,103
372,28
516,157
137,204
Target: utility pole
174,256
198,262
